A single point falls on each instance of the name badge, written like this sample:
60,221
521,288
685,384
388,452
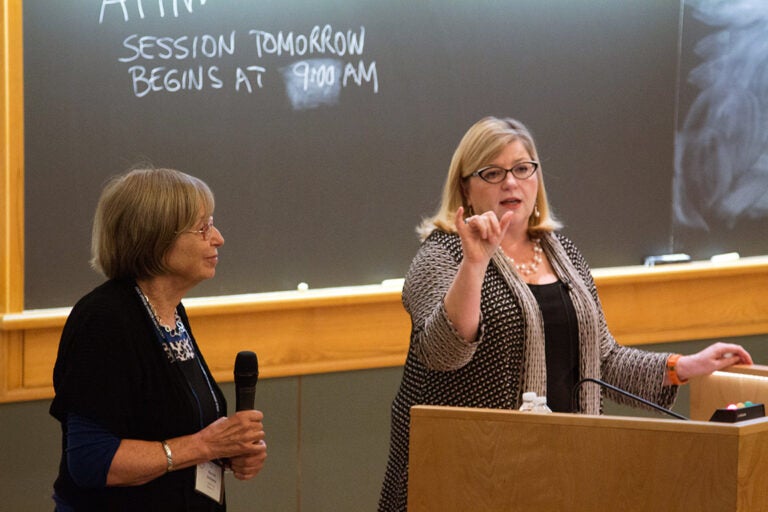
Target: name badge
209,481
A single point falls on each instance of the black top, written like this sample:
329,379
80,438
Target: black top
110,369
561,333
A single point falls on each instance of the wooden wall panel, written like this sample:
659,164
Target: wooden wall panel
298,333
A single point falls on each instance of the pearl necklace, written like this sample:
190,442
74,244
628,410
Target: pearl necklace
527,269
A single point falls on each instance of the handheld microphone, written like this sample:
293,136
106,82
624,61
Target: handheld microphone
575,399
246,376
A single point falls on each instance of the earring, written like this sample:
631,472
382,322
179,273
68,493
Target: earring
470,211
536,212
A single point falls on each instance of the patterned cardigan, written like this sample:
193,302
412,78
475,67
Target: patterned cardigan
508,357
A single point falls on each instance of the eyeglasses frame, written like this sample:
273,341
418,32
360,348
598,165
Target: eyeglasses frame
506,171
205,231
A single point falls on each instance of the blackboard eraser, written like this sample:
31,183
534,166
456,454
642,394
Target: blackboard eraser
726,257
665,259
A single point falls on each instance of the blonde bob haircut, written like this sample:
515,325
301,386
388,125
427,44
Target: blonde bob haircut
139,216
480,145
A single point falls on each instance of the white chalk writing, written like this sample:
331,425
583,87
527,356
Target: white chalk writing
155,8
315,82
180,48
172,79
330,59
319,40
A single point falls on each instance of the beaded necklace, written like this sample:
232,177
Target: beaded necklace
532,267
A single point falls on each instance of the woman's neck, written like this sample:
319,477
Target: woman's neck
162,296
515,239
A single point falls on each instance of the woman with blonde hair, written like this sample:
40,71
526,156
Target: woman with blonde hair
501,303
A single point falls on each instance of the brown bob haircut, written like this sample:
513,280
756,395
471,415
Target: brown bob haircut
139,216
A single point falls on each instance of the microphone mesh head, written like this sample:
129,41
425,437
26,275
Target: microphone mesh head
246,367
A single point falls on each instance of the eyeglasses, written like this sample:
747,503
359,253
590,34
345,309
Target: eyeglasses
205,231
496,174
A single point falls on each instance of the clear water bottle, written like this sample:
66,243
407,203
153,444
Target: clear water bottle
528,398
540,405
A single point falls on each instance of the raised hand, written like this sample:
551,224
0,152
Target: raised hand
481,234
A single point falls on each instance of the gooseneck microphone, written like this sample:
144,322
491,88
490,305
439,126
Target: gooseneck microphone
575,398
246,376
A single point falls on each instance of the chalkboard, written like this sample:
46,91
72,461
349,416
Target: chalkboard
720,193
325,128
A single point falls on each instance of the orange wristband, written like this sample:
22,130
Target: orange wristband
674,378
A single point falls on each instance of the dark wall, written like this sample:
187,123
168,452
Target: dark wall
327,188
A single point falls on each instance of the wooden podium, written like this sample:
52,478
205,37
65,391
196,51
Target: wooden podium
464,459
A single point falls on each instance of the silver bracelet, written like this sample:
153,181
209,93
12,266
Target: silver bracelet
168,457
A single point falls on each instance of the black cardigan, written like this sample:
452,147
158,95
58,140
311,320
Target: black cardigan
112,370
